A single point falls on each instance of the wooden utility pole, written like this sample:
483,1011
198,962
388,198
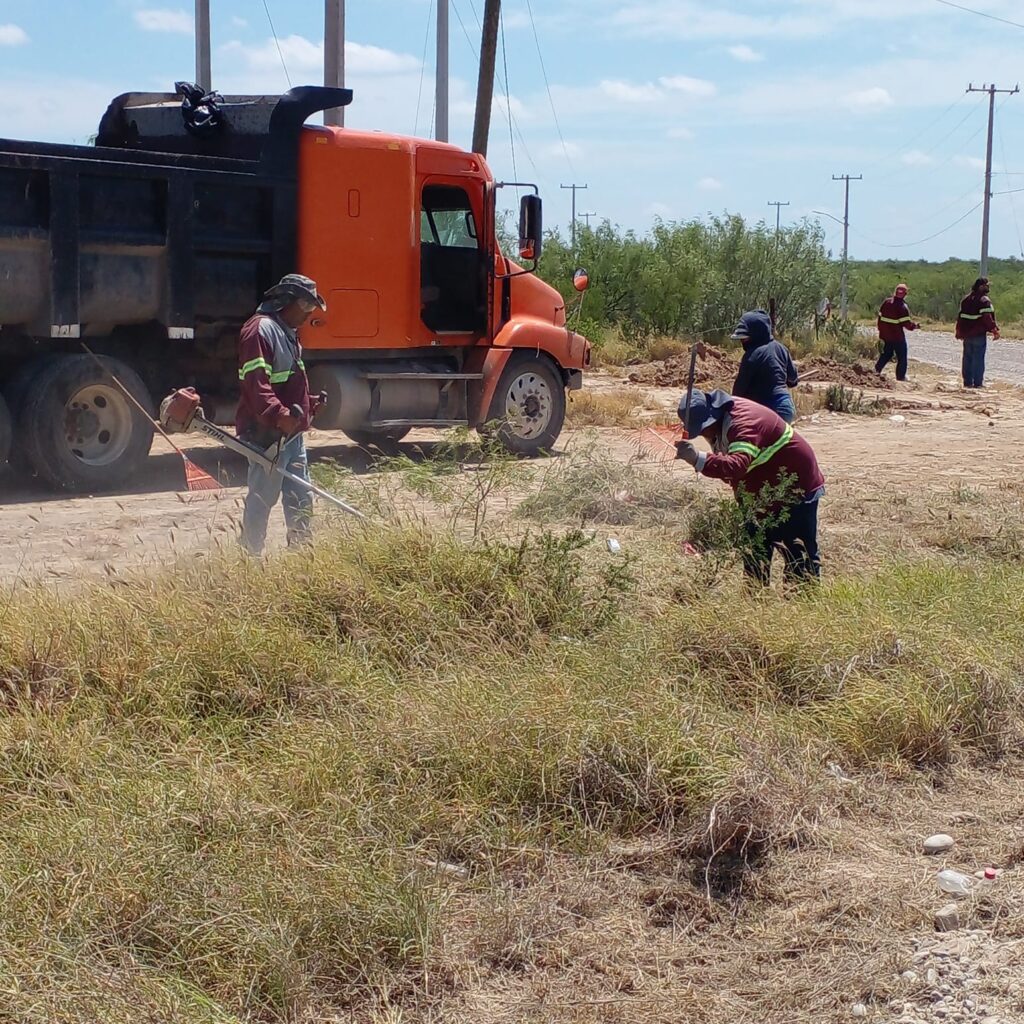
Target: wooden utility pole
204,73
485,82
991,90
587,216
844,305
334,56
441,80
572,228
778,217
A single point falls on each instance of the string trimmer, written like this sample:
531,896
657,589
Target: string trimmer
181,412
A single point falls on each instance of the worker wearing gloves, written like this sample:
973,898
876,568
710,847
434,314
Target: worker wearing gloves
766,370
893,320
275,406
752,448
977,319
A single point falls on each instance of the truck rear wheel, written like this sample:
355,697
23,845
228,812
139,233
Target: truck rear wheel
80,433
528,409
5,432
385,440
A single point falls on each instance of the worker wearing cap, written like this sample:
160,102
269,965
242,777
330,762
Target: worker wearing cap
275,407
893,320
766,371
976,320
753,449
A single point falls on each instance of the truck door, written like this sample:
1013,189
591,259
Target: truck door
453,278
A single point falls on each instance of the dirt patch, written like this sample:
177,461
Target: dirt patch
716,367
828,371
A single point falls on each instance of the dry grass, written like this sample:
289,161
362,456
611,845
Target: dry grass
621,407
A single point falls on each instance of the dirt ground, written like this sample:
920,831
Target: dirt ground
936,456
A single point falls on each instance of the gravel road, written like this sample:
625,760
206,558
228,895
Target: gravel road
1004,361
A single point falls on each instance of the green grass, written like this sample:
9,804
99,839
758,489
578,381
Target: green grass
220,791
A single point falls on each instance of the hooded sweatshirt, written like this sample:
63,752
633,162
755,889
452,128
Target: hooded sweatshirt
766,369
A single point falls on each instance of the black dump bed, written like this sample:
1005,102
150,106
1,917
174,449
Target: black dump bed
166,224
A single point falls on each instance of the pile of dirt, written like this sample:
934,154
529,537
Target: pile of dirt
715,367
857,375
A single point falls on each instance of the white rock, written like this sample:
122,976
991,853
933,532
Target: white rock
909,975
932,976
948,918
859,1010
614,546
938,843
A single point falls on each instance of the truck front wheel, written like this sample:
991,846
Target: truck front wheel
79,431
528,408
5,432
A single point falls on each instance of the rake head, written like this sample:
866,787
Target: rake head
658,443
197,479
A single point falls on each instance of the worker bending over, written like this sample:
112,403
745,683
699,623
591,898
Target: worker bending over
275,406
766,370
893,320
753,450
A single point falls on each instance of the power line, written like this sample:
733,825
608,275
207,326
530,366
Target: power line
921,241
919,134
508,98
423,68
980,14
547,86
277,43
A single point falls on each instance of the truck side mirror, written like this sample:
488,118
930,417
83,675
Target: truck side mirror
580,280
530,228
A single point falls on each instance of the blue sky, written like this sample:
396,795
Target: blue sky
665,108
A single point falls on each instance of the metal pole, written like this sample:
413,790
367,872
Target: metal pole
204,72
572,229
991,90
485,81
778,217
586,217
844,306
441,84
334,56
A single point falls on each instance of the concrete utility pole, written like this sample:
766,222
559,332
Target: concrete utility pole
204,73
485,82
778,217
587,216
572,229
844,305
991,90
334,56
441,82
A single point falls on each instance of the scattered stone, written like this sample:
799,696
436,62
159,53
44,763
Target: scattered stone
859,1010
939,843
948,918
909,976
932,976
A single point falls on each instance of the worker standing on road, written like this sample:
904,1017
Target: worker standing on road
275,406
893,320
753,449
766,370
977,319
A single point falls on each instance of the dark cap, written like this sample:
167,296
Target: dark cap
706,408
292,287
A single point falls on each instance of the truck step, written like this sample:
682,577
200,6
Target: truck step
423,376
438,424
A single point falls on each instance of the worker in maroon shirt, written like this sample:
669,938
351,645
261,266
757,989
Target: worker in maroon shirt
275,407
753,449
974,323
893,320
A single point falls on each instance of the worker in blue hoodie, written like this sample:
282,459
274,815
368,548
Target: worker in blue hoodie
766,370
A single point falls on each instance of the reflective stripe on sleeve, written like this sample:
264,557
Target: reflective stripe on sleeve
766,454
253,365
890,320
745,447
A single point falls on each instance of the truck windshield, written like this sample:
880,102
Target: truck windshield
447,218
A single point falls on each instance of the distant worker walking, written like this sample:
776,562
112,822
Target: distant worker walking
754,451
766,370
275,406
893,320
977,319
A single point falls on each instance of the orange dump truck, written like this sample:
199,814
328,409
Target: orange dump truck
154,245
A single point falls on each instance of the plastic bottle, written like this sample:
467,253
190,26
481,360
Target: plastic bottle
954,883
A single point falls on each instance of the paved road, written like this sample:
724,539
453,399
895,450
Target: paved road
1004,361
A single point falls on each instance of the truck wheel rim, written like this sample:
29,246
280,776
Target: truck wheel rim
97,425
528,405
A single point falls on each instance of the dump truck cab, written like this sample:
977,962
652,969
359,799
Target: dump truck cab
154,246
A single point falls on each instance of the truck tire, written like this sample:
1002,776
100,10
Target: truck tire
528,408
385,440
15,390
5,432
78,431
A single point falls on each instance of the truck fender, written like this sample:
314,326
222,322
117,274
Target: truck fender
481,393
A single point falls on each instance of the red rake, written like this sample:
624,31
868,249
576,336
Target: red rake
196,479
658,442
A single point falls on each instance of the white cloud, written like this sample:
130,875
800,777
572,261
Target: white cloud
689,86
744,54
12,35
160,19
867,101
679,132
554,151
915,158
239,22
975,163
627,92
709,184
304,56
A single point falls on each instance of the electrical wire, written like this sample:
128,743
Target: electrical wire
423,68
277,43
920,241
508,100
888,157
980,14
547,86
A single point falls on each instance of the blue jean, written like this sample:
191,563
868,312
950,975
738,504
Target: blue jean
782,405
974,360
264,490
